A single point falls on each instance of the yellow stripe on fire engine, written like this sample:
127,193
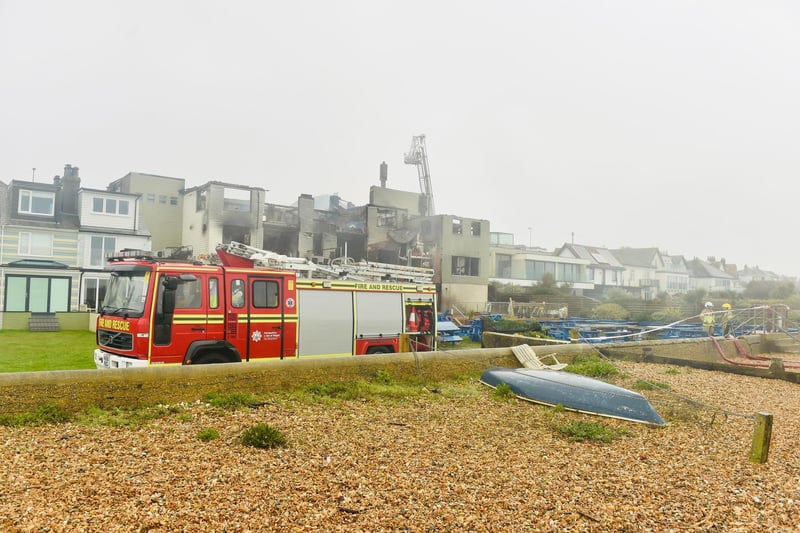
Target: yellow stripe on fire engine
363,286
185,321
254,320
268,317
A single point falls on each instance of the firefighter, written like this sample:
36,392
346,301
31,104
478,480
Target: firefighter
727,320
708,318
237,296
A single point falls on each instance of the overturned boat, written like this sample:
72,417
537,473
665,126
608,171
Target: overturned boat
574,392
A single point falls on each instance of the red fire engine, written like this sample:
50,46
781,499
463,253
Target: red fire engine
259,305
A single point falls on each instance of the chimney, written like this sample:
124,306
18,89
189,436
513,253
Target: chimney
70,183
384,174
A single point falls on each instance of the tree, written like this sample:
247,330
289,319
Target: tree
695,298
782,290
610,311
758,290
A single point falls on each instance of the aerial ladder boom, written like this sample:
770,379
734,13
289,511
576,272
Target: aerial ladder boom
342,269
418,155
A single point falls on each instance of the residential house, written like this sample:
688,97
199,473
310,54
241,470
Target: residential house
704,275
728,268
218,212
459,249
319,231
282,228
336,228
604,270
393,225
109,222
674,276
641,274
526,266
161,207
39,246
748,274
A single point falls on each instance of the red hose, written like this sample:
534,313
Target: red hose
731,361
746,355
743,353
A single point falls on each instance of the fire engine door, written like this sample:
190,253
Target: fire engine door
265,318
175,332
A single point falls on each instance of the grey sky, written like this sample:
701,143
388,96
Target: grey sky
628,123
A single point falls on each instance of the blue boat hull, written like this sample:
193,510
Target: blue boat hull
574,392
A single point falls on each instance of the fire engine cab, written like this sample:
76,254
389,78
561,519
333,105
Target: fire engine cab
258,305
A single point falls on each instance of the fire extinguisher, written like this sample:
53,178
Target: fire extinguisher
425,321
412,319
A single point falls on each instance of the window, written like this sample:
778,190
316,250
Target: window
100,248
425,228
235,199
36,202
387,218
37,294
677,283
503,265
162,199
265,294
465,266
94,292
213,293
188,295
200,203
151,198
458,229
31,243
501,238
173,200
110,206
475,229
567,272
127,293
535,270
237,293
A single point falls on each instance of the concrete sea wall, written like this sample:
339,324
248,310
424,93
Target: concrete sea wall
77,389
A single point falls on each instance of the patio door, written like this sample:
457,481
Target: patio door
37,294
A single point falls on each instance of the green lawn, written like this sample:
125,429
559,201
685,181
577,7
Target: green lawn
31,351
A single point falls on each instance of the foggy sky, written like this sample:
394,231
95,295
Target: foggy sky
671,124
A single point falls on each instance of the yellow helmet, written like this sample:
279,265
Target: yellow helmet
726,306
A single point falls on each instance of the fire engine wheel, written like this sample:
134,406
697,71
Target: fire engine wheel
210,359
379,349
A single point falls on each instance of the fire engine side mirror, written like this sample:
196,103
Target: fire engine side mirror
170,287
168,305
170,283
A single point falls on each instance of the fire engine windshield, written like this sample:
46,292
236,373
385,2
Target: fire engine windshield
126,294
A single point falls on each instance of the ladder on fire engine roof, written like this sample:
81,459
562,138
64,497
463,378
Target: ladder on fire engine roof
337,269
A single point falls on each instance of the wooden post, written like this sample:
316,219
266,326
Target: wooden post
776,367
647,354
761,438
